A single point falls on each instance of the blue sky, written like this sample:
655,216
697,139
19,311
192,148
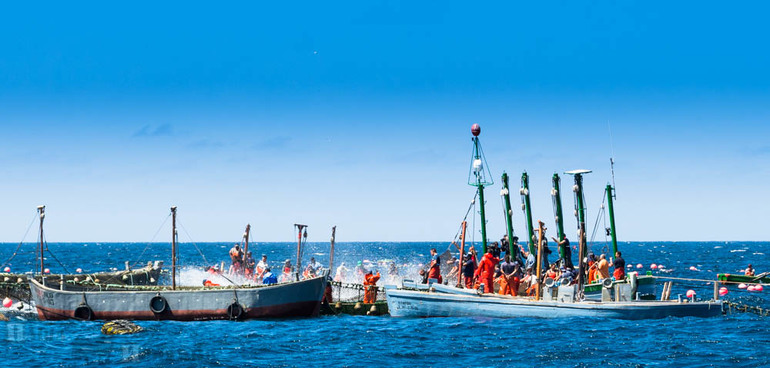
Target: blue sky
358,115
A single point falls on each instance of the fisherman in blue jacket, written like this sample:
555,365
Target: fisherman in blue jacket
269,278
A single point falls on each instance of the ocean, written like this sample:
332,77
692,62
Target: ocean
734,340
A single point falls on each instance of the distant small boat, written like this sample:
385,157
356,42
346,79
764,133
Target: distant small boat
737,279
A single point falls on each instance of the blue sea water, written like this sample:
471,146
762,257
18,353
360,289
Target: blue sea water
735,340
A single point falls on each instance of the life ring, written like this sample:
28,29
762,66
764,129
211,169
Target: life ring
83,312
158,304
234,310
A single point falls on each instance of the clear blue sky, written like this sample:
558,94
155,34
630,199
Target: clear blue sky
358,115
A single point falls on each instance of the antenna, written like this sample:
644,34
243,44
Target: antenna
612,159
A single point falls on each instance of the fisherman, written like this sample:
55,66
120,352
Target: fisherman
360,271
262,266
268,278
327,299
249,265
209,283
454,269
495,249
486,271
506,279
287,271
530,262
392,270
505,245
546,252
236,256
591,261
423,277
620,267
370,287
317,266
514,280
566,261
309,272
434,268
469,267
749,271
553,272
603,268
530,282
339,276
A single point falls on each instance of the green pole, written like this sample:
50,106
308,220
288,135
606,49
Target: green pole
483,219
480,186
556,193
581,214
508,215
528,211
610,196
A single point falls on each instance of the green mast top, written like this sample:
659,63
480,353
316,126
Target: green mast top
556,195
580,207
508,217
525,206
477,177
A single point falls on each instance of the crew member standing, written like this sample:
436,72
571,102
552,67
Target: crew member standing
486,271
620,267
469,268
370,287
236,256
435,266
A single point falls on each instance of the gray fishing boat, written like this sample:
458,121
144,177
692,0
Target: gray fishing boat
554,299
407,302
291,299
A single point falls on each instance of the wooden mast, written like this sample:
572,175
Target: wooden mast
300,227
41,211
246,244
331,251
173,247
462,255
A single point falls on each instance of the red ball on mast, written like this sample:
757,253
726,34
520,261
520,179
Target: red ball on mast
476,130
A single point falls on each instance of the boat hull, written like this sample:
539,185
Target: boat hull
411,303
735,279
295,299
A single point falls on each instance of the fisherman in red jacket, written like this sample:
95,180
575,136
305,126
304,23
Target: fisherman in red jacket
486,271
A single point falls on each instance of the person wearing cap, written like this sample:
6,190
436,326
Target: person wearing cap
370,287
749,271
262,266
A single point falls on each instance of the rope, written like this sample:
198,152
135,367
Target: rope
193,243
745,308
151,240
15,252
45,242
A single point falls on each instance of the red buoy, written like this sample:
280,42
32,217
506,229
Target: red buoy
476,130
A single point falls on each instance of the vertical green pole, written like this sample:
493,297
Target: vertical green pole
528,211
480,185
556,193
483,219
508,215
612,218
581,214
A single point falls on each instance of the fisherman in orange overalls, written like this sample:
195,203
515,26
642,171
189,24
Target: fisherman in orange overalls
486,271
435,266
370,287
